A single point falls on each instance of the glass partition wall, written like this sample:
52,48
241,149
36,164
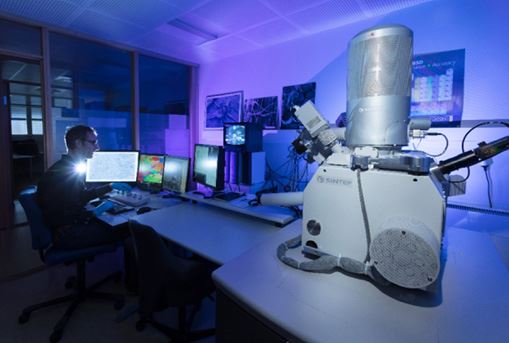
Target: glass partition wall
86,82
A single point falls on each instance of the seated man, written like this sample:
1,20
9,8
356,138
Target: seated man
62,196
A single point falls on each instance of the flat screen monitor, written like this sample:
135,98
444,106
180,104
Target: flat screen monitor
437,87
209,165
242,137
176,171
112,166
235,134
150,170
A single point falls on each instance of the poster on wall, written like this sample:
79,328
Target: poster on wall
437,87
223,108
261,111
295,95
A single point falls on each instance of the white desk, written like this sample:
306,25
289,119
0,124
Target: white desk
214,233
277,214
472,306
156,202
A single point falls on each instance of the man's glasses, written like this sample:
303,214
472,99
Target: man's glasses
94,142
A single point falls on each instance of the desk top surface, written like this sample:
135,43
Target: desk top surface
214,233
470,305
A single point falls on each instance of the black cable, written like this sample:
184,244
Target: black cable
466,135
488,181
446,143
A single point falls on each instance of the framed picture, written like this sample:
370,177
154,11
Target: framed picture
223,108
261,111
295,95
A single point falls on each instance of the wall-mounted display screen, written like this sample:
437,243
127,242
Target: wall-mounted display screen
437,87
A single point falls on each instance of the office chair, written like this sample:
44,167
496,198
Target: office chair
165,280
42,241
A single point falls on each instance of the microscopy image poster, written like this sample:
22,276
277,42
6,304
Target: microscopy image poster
437,87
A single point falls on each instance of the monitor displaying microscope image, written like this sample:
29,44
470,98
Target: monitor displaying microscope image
150,169
176,171
208,168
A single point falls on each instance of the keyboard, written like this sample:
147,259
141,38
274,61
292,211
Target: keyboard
117,209
130,199
229,196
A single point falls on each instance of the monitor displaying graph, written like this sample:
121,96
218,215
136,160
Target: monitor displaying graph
150,169
112,166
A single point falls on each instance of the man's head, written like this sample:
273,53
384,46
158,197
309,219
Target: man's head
81,141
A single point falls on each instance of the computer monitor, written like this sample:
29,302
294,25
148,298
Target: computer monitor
112,166
208,168
246,137
150,170
176,171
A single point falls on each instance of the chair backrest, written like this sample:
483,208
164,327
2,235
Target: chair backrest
41,234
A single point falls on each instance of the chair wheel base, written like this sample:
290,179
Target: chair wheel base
70,283
118,304
23,318
55,336
140,326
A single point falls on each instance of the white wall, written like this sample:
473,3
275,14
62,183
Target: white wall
478,26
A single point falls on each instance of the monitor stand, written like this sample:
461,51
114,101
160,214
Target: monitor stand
149,187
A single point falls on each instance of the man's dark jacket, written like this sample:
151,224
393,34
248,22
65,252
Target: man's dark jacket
62,195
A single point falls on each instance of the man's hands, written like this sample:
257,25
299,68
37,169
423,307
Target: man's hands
121,186
105,206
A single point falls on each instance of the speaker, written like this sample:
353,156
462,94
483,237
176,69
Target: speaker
379,87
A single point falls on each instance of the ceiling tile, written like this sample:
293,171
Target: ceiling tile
284,7
377,7
144,13
329,15
53,12
234,15
229,46
175,32
274,32
99,25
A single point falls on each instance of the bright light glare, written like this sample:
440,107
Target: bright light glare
80,168
171,167
210,164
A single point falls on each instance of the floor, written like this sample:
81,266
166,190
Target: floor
24,281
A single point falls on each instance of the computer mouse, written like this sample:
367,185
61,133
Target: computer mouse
143,209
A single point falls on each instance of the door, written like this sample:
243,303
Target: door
22,152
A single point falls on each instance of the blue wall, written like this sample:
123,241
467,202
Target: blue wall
480,27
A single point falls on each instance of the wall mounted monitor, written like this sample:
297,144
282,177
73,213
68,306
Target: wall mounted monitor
176,172
112,166
208,167
150,170
242,137
437,87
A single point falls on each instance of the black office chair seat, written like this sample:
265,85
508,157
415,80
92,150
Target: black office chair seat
42,241
167,280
